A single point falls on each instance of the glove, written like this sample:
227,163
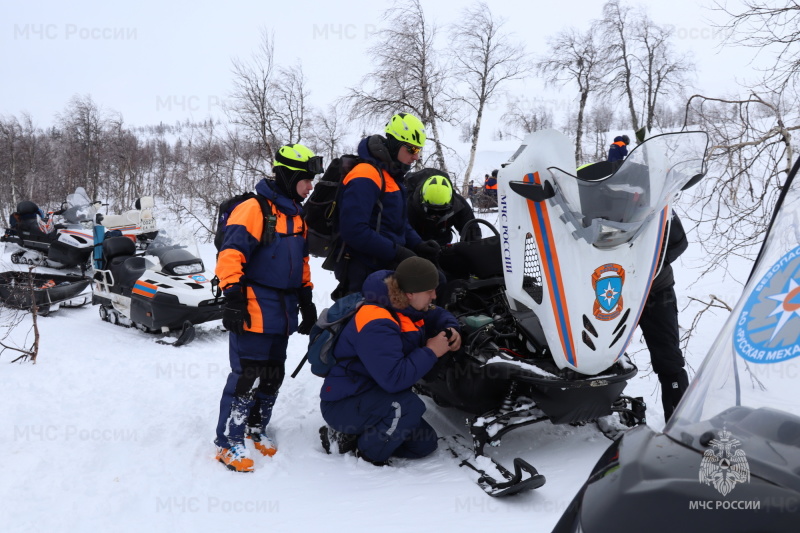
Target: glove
308,311
235,314
402,253
428,249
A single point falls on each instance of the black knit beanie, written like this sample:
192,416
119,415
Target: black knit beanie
416,274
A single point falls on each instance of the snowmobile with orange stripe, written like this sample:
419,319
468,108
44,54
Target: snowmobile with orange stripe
61,239
729,457
549,304
164,288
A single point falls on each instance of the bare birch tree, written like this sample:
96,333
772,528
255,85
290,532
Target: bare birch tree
408,75
574,57
485,59
642,62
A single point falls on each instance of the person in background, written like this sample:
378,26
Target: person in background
619,149
265,282
435,209
490,185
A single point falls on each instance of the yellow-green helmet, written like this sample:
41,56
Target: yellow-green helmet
406,128
437,191
299,158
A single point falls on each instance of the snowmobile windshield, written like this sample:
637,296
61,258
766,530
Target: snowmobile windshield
609,205
79,208
176,252
743,404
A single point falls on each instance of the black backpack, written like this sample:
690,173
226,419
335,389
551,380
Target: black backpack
321,208
224,211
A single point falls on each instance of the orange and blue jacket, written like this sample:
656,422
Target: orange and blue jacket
618,150
272,273
383,348
359,211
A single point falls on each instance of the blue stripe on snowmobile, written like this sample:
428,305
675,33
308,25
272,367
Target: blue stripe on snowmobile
553,275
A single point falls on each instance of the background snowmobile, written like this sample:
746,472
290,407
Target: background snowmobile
161,289
729,459
21,290
44,241
550,303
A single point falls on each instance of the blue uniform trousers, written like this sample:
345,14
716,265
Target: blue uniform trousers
388,424
257,370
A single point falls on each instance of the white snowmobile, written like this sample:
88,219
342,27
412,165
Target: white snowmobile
163,288
729,459
45,242
549,304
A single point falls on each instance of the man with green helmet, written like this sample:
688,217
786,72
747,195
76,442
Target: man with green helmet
266,281
373,221
435,208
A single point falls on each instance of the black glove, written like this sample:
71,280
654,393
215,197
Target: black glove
308,311
235,315
428,249
402,253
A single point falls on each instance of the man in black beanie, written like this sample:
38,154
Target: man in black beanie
393,340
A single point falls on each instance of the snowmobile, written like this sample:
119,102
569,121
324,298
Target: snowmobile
549,304
42,241
729,458
48,292
159,289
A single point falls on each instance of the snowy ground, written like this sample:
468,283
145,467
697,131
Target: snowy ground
111,431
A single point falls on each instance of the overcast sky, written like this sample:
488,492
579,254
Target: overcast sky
155,61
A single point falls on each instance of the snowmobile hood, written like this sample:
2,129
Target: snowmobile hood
582,253
655,482
743,400
269,190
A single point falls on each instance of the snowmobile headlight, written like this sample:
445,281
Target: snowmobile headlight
184,270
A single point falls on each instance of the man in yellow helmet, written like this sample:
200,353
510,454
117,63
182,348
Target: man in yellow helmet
266,280
373,221
435,209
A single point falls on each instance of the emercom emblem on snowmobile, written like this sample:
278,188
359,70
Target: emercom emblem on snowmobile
768,327
607,281
724,466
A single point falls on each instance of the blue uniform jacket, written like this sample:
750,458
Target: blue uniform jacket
272,273
375,350
358,213
618,150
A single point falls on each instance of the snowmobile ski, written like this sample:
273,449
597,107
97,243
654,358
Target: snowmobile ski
186,336
492,477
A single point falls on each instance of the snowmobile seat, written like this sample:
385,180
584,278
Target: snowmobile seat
128,271
117,249
120,259
482,259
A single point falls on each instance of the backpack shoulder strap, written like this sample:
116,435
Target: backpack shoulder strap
270,220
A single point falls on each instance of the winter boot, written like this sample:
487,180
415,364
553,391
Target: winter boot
261,441
235,458
672,389
335,441
363,457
